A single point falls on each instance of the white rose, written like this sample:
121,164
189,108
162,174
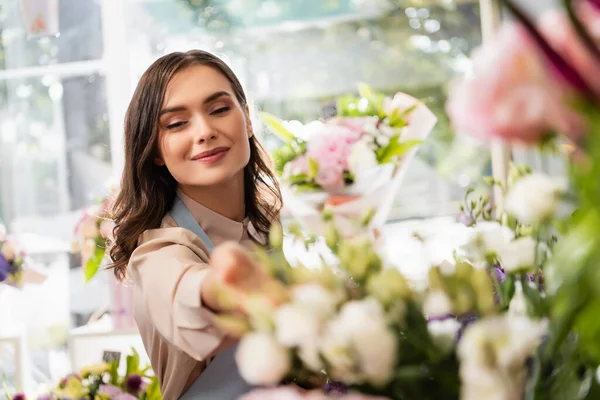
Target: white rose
315,298
486,238
437,304
493,235
518,254
376,348
261,360
534,198
510,339
361,157
444,333
295,325
359,345
8,250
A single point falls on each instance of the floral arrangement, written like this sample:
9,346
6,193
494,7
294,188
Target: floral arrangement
12,261
93,234
352,162
103,382
514,314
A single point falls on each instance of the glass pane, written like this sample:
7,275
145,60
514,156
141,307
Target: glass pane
54,144
79,38
295,57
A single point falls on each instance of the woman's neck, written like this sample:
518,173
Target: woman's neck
226,199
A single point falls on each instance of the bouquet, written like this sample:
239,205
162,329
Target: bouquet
353,163
93,234
12,261
103,382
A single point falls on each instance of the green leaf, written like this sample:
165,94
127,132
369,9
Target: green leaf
153,390
396,119
133,363
375,99
93,264
277,128
113,372
298,179
313,166
395,148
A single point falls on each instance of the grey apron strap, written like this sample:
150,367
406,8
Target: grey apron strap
221,380
184,218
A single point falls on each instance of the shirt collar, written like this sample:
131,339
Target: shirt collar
218,227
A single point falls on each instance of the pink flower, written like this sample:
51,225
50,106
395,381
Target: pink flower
356,124
106,229
297,166
330,147
561,35
511,94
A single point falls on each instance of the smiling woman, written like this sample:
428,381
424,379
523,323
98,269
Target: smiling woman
195,177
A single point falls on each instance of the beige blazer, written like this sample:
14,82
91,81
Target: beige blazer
168,268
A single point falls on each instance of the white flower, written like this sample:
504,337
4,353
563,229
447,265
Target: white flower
294,325
261,360
444,333
361,157
518,303
8,250
493,354
505,340
518,254
359,345
486,238
316,299
534,198
437,304
310,356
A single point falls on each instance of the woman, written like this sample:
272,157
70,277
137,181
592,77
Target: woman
195,176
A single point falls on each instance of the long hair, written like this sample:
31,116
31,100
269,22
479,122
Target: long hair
147,190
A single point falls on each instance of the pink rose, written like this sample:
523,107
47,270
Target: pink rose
106,229
511,94
330,147
561,35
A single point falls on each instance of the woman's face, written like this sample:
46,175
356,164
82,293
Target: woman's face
203,130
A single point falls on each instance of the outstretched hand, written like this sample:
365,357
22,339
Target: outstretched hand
233,277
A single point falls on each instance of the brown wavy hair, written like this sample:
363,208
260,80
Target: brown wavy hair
147,190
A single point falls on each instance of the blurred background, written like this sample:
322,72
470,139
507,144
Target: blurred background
63,97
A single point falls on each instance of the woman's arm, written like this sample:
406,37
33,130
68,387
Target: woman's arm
171,276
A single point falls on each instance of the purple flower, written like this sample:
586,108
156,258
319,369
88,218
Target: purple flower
110,390
134,383
335,388
124,396
466,218
500,273
19,396
4,268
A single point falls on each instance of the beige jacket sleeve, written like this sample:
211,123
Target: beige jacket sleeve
168,268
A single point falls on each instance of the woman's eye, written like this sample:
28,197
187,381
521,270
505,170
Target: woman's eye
221,110
176,125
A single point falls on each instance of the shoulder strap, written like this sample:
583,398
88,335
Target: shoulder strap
184,218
